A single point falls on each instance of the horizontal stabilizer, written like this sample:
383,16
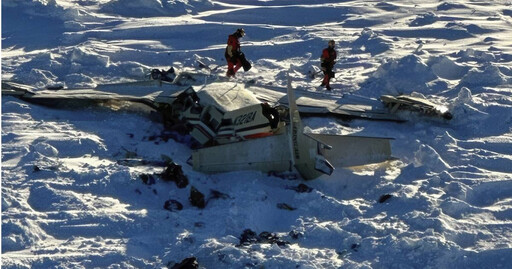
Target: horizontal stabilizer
354,150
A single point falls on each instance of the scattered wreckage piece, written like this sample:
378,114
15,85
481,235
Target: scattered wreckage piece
187,263
173,172
196,198
417,104
249,237
173,205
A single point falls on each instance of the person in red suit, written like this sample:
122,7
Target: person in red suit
233,53
327,59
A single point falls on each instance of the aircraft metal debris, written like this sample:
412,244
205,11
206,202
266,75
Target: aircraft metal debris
417,104
237,127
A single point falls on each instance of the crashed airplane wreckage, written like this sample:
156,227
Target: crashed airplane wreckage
236,130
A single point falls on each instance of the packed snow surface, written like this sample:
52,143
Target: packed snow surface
445,202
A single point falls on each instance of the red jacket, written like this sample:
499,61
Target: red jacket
235,45
328,57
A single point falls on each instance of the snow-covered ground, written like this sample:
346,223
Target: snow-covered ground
68,203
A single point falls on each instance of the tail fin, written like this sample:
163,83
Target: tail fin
305,152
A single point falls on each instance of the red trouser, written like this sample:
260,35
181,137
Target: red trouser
232,69
327,78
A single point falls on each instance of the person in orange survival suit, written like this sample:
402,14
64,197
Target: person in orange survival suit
327,59
233,53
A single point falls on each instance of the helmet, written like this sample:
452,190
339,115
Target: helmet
240,31
331,43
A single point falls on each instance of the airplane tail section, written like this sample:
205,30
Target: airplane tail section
306,155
